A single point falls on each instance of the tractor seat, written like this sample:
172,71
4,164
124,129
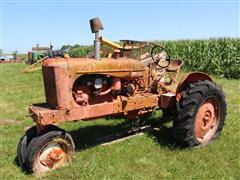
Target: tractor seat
174,65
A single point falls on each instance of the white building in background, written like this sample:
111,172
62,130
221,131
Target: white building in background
6,57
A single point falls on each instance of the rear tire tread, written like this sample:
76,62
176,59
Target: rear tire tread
187,108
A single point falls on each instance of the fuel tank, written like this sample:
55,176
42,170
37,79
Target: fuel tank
121,67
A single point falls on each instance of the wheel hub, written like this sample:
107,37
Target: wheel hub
206,121
52,156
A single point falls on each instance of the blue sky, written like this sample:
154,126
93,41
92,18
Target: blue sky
25,23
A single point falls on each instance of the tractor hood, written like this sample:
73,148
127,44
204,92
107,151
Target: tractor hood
122,67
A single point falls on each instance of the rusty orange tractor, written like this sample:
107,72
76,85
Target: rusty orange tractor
138,78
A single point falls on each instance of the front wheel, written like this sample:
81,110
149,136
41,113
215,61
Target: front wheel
201,114
49,151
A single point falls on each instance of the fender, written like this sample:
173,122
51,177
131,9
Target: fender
190,78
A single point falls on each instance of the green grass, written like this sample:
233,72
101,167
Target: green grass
150,156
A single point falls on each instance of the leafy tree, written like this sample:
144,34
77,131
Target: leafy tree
14,53
76,46
82,51
65,47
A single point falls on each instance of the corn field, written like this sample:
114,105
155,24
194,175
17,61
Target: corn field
216,56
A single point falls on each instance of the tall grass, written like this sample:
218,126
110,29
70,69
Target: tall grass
217,56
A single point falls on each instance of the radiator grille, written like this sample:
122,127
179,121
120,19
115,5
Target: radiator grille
50,85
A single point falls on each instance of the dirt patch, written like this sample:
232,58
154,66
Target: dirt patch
4,122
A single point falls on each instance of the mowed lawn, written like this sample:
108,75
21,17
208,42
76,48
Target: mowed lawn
149,156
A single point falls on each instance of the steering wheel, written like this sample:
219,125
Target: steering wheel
160,56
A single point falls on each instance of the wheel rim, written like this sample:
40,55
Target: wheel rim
52,156
207,120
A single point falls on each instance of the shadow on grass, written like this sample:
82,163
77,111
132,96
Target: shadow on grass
85,137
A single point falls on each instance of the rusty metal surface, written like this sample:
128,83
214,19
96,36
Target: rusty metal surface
190,78
44,114
59,75
207,120
96,25
174,65
170,75
69,99
167,100
64,103
122,67
57,87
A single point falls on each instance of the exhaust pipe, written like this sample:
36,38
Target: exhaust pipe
96,25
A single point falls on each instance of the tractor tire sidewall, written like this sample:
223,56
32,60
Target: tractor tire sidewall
193,97
37,144
21,149
23,143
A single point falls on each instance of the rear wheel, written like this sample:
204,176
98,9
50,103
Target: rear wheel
201,114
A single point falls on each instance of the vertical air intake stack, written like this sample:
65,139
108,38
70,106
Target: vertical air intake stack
96,25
